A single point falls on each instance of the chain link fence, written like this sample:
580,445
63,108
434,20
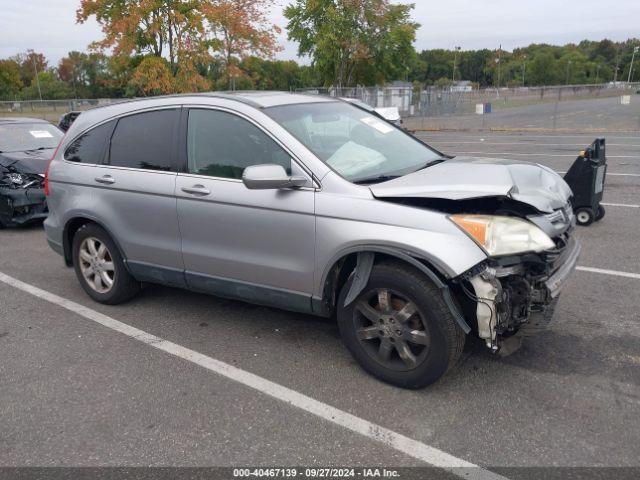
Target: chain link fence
50,110
573,108
582,108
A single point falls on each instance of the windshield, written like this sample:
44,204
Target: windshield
359,146
18,137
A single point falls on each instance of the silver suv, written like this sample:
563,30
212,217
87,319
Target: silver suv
314,205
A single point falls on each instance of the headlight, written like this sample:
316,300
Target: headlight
503,235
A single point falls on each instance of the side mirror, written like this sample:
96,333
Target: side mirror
270,177
390,114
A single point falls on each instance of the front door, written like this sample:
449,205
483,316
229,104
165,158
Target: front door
256,245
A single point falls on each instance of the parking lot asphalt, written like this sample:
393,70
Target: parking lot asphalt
76,393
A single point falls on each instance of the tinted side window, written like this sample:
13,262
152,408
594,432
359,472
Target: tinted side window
90,147
222,144
144,140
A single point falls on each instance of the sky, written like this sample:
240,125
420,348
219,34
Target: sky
49,26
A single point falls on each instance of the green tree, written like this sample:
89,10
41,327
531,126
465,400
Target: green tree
274,74
10,81
354,41
50,86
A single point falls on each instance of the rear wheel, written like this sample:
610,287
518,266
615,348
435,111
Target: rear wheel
399,328
100,267
600,213
584,216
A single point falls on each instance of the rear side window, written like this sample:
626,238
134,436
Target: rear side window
144,140
90,147
222,144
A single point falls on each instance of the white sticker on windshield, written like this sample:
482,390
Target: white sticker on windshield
40,134
377,124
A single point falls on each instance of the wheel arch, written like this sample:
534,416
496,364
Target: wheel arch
358,261
72,226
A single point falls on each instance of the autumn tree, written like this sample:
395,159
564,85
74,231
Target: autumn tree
354,41
119,70
156,27
186,32
30,63
238,29
152,77
191,66
71,70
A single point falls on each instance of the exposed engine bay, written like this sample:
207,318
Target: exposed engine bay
517,295
511,296
22,198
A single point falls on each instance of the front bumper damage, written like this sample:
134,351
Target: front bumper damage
518,294
20,206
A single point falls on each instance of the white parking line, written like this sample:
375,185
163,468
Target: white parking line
616,174
619,205
609,272
517,135
527,144
540,154
406,445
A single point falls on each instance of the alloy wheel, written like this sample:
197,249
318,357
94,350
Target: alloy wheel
391,329
96,265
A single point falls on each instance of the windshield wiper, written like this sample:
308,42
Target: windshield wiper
39,148
384,178
378,179
430,163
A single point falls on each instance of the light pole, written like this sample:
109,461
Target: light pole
455,57
597,72
35,69
498,62
635,50
524,68
568,67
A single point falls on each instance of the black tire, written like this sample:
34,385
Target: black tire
584,216
124,286
600,213
441,339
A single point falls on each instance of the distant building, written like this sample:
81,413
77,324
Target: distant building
461,86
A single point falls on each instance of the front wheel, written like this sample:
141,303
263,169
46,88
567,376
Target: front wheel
600,214
399,329
100,268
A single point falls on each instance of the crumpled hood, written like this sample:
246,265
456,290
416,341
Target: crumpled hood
33,161
471,177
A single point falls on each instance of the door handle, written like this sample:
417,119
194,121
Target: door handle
196,190
108,179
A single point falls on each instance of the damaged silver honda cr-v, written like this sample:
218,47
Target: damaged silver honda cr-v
317,206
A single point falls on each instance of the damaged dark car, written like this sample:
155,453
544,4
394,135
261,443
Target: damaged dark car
26,146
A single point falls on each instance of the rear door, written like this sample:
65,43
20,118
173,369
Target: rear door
135,191
250,244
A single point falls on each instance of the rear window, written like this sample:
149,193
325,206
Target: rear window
144,140
90,147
